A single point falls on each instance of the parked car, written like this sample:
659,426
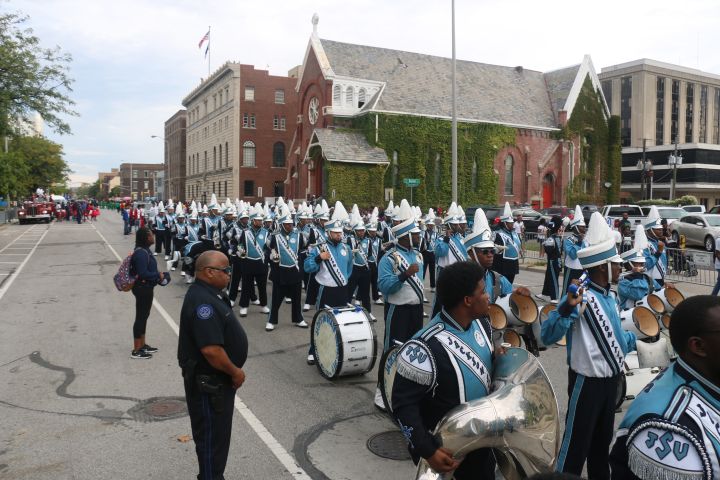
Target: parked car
668,213
696,209
713,210
699,230
615,212
492,212
531,218
558,210
587,211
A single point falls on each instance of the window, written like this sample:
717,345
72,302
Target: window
248,154
226,122
146,173
226,155
278,154
361,97
135,173
675,112
278,188
702,117
134,185
279,96
260,192
226,188
147,184
213,188
227,94
250,94
282,122
252,120
349,97
625,110
214,158
337,95
220,156
246,120
214,102
205,161
509,175
276,122
607,91
660,112
716,120
689,108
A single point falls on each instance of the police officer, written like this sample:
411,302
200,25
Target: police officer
212,349
433,376
671,428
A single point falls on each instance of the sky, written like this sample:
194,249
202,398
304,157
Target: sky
135,60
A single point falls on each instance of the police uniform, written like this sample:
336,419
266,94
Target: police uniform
207,319
441,367
285,273
671,430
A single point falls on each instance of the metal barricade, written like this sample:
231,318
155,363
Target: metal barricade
531,249
691,266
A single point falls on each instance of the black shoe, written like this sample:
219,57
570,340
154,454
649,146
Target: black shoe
140,355
148,349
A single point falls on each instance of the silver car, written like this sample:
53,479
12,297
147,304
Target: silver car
699,230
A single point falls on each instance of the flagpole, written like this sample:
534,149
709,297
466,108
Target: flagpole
208,51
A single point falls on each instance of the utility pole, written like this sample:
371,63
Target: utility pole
642,172
454,115
674,160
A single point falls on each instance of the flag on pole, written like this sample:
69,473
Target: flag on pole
205,38
207,49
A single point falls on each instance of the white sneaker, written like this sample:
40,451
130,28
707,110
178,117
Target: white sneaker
232,303
173,269
379,402
302,324
239,288
379,301
425,300
243,312
269,327
256,302
311,359
182,274
189,279
306,307
287,300
554,302
425,315
265,309
155,254
372,318
540,296
167,257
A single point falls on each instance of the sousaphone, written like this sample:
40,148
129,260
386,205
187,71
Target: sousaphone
519,420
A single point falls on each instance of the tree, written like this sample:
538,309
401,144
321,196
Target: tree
32,79
42,162
13,172
115,192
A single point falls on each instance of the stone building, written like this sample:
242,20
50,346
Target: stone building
661,105
238,132
108,181
137,180
369,118
175,153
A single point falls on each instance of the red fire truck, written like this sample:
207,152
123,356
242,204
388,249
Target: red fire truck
35,211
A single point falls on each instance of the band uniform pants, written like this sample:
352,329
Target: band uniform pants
168,242
250,277
360,279
293,292
235,277
373,282
159,240
588,425
429,262
311,294
401,323
211,429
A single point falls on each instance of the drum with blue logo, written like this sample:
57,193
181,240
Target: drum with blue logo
343,341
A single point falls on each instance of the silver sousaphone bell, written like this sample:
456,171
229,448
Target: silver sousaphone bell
519,420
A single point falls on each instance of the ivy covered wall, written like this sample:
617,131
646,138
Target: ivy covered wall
423,147
599,152
354,183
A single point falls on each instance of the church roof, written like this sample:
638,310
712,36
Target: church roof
559,83
346,146
421,84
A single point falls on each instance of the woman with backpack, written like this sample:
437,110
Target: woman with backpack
144,266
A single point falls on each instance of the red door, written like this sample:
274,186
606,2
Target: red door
548,188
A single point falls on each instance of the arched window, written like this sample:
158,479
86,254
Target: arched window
395,169
350,97
361,97
437,171
279,154
509,175
474,179
248,154
337,95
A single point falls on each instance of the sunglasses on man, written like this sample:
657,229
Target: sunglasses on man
227,270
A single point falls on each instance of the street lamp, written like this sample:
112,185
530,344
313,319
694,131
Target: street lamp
675,160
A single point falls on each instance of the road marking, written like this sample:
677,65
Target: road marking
17,271
268,439
10,262
13,254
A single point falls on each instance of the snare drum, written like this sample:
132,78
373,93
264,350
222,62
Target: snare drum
343,341
641,321
653,302
498,317
520,309
671,297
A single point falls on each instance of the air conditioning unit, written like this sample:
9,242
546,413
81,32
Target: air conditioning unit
299,119
260,192
327,110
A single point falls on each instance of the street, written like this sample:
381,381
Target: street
76,406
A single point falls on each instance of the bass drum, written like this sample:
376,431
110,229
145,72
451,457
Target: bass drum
343,342
386,375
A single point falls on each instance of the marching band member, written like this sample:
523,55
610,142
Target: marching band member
400,279
209,223
388,237
318,235
331,263
447,363
596,349
285,273
386,221
374,255
193,247
304,226
169,233
553,248
656,260
670,430
571,246
226,227
235,232
449,249
482,250
159,227
179,230
360,278
254,269
507,264
430,238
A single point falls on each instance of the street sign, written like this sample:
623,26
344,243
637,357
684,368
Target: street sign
411,182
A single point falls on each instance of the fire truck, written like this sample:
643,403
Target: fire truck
35,211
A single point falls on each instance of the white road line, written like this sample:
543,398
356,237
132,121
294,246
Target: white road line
268,439
13,254
17,271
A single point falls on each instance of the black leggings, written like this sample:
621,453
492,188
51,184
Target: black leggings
143,304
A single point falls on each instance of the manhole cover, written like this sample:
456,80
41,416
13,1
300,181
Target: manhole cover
390,444
157,409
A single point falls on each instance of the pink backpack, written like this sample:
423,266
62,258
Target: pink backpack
124,280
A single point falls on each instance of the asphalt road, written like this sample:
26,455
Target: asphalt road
75,406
